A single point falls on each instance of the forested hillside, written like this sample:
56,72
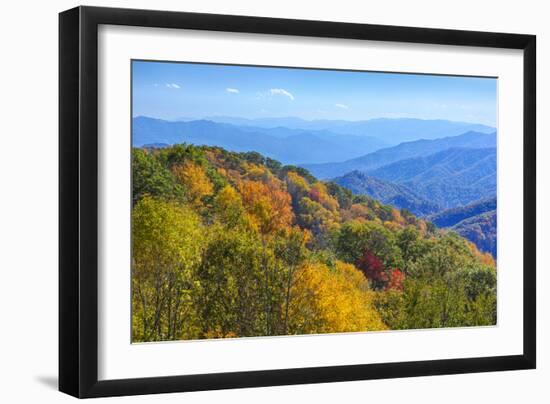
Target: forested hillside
476,221
403,151
450,178
451,217
230,244
481,230
387,192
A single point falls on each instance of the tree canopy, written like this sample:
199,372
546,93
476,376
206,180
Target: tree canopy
231,244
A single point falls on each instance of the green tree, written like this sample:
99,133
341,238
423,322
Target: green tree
290,248
167,241
447,286
343,195
242,285
354,238
412,246
318,219
149,177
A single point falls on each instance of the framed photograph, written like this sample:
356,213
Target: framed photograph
251,201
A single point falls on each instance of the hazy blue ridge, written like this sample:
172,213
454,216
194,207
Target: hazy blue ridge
390,130
475,221
450,178
397,195
155,145
290,146
451,217
481,230
402,151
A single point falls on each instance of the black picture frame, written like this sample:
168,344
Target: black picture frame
78,201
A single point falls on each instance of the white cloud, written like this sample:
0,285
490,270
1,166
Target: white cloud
281,91
232,90
173,85
341,106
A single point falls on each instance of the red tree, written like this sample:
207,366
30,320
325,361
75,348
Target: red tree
373,269
315,195
396,279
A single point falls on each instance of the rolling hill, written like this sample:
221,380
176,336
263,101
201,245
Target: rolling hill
290,146
475,222
481,230
450,217
393,194
407,150
237,230
450,178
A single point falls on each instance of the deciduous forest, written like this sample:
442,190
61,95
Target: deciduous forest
228,244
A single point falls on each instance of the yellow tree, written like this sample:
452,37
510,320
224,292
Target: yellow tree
319,220
319,193
194,180
326,300
397,217
257,173
229,208
297,185
358,212
268,204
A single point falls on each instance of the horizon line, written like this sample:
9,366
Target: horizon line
212,119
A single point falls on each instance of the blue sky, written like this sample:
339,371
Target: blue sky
187,90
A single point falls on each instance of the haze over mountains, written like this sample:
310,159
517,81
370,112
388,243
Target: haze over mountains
284,144
424,185
450,178
387,192
390,130
454,187
425,166
451,217
418,148
476,222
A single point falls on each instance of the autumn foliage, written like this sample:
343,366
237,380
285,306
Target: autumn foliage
333,300
396,279
268,204
194,181
235,244
373,269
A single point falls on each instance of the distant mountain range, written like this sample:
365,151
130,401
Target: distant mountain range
290,146
418,148
452,181
477,222
387,192
480,230
391,131
451,217
450,178
424,185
